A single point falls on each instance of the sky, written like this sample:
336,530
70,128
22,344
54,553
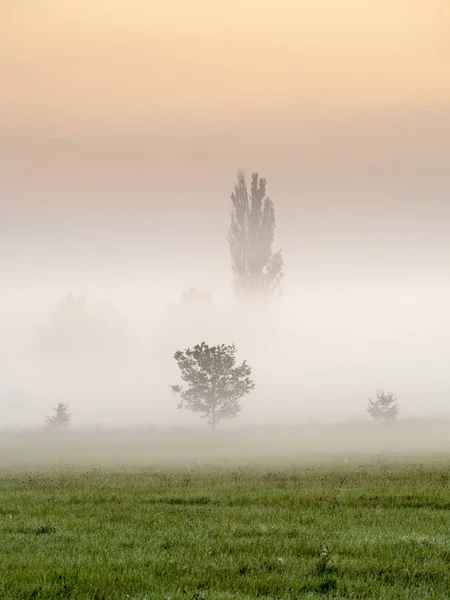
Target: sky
106,107
133,68
122,126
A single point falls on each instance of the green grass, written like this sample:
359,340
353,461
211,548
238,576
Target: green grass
375,530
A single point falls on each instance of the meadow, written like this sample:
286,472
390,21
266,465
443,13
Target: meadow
260,514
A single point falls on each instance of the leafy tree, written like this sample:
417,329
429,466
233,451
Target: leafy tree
257,270
61,418
384,408
214,384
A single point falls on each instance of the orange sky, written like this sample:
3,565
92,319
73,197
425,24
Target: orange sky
115,67
112,108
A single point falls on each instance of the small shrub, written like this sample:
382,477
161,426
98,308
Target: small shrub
384,408
61,418
44,529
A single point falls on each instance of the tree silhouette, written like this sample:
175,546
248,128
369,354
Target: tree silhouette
195,298
193,315
257,270
61,418
214,384
384,408
76,329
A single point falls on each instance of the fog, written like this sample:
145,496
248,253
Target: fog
340,331
411,444
121,132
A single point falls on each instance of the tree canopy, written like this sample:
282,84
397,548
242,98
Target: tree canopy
61,418
214,383
384,408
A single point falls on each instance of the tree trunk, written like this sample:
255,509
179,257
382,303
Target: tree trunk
213,419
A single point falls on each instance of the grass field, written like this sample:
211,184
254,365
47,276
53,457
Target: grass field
370,526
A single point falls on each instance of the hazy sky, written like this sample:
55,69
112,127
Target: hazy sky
133,68
122,125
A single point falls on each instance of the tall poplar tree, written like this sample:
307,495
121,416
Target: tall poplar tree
257,270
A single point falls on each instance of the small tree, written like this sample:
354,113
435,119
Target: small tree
61,418
384,408
214,384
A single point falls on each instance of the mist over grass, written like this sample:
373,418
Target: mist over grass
300,497
279,446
